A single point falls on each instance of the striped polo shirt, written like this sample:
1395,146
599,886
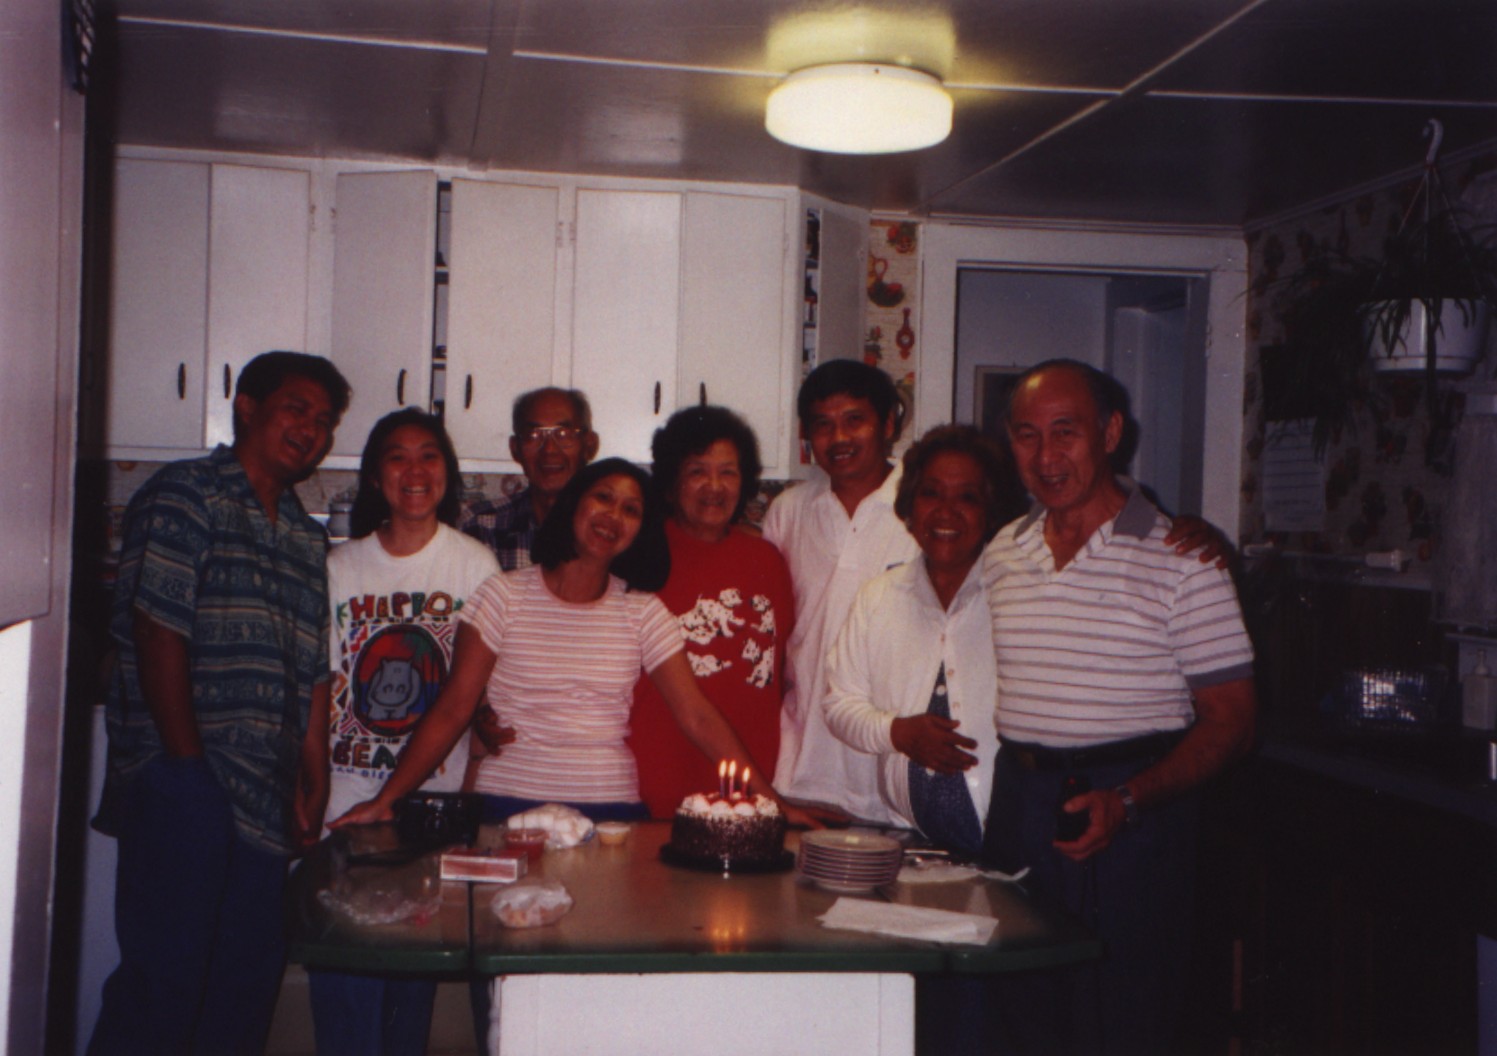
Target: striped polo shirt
201,558
564,680
1110,646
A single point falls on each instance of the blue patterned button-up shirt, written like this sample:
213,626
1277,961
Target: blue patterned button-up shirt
202,559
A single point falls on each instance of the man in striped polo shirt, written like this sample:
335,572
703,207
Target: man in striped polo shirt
1124,683
221,623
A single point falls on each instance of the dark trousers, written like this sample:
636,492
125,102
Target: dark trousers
365,1015
1136,897
198,914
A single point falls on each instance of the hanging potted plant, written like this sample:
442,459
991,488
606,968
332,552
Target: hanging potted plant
1430,297
1421,305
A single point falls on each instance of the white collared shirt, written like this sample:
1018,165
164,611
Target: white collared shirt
884,666
831,556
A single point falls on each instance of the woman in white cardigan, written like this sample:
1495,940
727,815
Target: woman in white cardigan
912,676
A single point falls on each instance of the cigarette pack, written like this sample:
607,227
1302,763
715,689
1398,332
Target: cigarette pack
483,865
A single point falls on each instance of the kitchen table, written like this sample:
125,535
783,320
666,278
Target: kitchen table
655,958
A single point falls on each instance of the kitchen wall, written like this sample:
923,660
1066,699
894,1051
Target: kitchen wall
1387,478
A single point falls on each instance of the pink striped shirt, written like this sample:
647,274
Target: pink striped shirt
564,680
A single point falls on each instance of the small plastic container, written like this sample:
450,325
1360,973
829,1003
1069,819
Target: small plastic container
530,842
612,833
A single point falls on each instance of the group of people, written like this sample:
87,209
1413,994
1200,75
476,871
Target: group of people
887,653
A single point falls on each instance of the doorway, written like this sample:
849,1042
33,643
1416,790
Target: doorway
1135,284
1147,331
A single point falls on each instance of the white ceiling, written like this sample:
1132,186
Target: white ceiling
1206,112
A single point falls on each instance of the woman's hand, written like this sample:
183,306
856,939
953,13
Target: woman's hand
369,812
933,742
803,818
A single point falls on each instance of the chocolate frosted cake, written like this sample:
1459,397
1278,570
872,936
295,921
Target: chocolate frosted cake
746,831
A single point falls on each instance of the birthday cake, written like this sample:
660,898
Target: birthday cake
738,829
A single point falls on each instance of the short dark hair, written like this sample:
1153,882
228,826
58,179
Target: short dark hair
370,507
262,376
1108,394
581,409
691,431
646,565
850,377
997,473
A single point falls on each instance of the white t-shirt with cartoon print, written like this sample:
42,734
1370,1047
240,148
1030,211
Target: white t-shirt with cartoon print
393,628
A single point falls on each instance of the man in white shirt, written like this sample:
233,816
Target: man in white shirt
837,532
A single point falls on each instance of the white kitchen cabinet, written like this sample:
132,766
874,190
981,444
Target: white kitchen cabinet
208,269
736,347
384,255
842,285
158,309
501,308
258,244
626,309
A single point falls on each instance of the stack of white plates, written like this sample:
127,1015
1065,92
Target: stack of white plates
849,862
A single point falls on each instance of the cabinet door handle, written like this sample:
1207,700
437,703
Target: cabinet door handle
657,397
226,381
181,381
468,392
702,393
400,389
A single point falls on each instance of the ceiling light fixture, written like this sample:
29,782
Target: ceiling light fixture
859,108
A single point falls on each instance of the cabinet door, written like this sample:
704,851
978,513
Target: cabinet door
626,297
258,232
158,295
384,256
735,349
844,253
501,311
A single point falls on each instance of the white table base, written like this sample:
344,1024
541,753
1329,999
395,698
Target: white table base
708,1013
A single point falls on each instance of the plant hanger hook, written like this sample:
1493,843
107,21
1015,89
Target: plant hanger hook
1434,131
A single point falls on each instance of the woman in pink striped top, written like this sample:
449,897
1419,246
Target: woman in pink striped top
558,646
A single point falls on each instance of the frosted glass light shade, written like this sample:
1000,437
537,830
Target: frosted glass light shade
859,108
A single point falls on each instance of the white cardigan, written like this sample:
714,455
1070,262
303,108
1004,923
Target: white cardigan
884,665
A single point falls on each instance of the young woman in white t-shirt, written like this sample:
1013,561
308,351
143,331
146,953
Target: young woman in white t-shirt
395,589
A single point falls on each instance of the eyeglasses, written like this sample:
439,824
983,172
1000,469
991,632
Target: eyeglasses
564,436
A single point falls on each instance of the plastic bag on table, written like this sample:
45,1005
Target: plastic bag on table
373,894
532,905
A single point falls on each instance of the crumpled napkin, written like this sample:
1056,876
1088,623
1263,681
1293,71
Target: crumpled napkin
565,827
909,922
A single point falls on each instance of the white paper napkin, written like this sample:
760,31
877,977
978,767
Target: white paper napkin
909,922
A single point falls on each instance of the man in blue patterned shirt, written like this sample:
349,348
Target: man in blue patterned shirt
218,702
553,438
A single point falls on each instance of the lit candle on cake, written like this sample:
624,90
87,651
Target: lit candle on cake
722,778
745,782
732,779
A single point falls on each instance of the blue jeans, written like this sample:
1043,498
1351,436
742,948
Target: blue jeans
365,1015
198,914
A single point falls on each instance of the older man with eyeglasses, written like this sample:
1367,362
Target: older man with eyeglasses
553,438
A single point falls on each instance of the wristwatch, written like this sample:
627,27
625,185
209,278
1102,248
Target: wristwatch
1130,806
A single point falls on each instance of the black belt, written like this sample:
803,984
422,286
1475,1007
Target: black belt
1135,749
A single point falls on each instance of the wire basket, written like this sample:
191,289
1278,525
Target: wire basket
1390,700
